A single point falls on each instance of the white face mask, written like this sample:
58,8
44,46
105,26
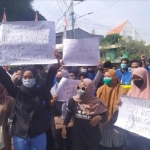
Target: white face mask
81,93
29,82
132,69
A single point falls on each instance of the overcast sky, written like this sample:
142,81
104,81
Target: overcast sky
107,14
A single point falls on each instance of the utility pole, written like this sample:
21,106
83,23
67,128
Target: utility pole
73,20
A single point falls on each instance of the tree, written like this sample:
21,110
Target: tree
18,10
111,39
124,46
133,48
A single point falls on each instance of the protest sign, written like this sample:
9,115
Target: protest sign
67,88
134,116
27,42
81,52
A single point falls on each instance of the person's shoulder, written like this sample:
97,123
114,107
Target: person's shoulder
118,70
9,98
100,89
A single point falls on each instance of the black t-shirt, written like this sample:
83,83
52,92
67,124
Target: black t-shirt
83,132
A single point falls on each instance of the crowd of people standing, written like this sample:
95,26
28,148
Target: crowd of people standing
33,118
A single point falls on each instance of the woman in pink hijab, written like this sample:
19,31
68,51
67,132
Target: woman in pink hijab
140,89
87,111
140,84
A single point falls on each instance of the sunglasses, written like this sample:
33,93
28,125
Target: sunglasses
82,88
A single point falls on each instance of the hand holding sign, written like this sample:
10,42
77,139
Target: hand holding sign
134,116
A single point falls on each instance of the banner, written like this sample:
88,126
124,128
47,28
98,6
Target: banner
27,42
134,116
81,52
67,88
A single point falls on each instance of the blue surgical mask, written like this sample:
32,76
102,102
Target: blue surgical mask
84,70
123,66
29,82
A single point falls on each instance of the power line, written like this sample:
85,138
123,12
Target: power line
103,9
59,6
63,14
108,27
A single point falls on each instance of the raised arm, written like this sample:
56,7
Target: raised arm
50,78
6,81
97,77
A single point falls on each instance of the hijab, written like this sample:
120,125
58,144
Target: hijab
32,69
65,73
144,91
111,94
90,104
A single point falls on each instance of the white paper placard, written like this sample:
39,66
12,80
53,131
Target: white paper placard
67,88
81,52
134,116
27,42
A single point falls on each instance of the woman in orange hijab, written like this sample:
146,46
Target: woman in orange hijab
112,136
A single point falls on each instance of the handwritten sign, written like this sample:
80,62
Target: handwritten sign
134,116
67,88
27,42
82,52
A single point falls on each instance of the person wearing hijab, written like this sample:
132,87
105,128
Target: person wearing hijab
73,73
140,89
87,111
109,93
59,107
6,107
31,106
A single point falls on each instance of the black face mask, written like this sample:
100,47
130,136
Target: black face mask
58,79
138,83
18,81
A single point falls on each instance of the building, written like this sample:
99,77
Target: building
79,34
126,29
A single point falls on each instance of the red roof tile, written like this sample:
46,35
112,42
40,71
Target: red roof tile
118,29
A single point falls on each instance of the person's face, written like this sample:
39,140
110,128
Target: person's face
59,75
135,65
82,77
90,69
81,85
107,75
28,75
38,71
114,68
124,62
63,68
72,76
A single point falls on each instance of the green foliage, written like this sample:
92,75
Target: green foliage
111,39
18,10
134,48
129,47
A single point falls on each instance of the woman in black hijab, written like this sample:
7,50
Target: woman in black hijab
32,107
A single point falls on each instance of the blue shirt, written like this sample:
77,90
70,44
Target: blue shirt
125,77
147,68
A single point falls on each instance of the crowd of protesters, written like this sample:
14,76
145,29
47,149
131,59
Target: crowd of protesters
32,118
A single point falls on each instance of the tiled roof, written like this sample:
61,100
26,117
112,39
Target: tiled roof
118,29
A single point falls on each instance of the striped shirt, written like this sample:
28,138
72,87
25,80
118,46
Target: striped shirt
112,136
